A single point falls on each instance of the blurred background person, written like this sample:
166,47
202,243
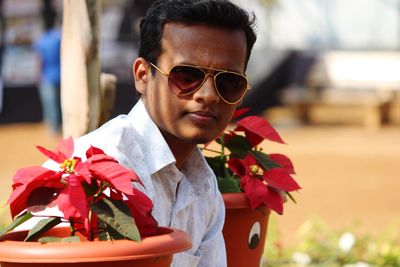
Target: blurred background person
47,47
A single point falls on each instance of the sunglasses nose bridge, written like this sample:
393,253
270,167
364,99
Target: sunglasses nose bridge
211,92
213,76
208,74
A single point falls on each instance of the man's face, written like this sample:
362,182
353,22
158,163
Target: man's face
201,116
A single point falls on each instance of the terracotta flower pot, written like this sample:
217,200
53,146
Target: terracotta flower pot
156,251
244,231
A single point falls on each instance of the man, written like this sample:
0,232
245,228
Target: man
181,106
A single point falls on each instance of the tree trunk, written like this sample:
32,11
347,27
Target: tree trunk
80,67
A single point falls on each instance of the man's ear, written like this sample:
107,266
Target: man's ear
141,72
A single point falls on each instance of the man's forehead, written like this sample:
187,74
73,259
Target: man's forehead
190,43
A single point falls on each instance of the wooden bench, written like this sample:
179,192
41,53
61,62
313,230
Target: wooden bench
370,108
352,87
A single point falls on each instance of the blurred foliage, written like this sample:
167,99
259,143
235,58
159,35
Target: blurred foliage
320,245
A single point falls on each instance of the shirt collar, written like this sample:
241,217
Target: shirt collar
156,153
155,150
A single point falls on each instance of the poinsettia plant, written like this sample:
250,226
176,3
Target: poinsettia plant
241,165
95,196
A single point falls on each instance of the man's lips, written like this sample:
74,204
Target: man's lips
202,116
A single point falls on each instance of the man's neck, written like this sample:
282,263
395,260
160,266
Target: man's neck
180,149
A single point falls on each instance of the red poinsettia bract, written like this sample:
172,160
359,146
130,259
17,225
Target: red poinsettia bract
264,178
79,185
262,184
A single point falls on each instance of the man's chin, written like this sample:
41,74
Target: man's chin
199,140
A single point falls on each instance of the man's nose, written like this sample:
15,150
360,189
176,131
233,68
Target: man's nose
207,92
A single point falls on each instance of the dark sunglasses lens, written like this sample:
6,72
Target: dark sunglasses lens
185,79
231,86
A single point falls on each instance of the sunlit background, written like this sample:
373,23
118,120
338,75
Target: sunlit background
325,73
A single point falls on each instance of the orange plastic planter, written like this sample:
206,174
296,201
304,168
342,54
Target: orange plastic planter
155,251
244,231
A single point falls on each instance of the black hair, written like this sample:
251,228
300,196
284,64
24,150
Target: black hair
221,13
49,15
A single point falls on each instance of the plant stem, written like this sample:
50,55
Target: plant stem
90,230
227,174
72,227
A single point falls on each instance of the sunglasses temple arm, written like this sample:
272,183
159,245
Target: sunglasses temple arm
160,70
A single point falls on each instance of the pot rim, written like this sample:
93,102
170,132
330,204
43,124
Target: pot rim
236,200
168,241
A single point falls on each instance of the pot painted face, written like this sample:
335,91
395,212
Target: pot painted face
254,235
244,232
201,116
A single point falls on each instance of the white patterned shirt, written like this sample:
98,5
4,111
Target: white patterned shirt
186,199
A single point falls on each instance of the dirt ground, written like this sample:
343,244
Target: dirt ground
348,174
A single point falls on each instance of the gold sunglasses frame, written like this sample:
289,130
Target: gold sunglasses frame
204,70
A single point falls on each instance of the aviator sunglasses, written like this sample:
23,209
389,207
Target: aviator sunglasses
187,79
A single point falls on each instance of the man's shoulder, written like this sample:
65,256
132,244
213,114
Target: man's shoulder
107,137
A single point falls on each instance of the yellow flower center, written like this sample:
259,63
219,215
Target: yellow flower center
256,170
68,165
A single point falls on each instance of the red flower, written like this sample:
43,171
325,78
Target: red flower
72,201
79,187
25,181
264,178
257,129
283,161
259,194
63,151
239,112
260,185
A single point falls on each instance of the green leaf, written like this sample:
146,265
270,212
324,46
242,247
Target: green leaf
113,234
238,145
90,189
41,227
102,233
107,232
53,239
264,160
117,215
217,164
220,140
16,222
290,196
228,185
